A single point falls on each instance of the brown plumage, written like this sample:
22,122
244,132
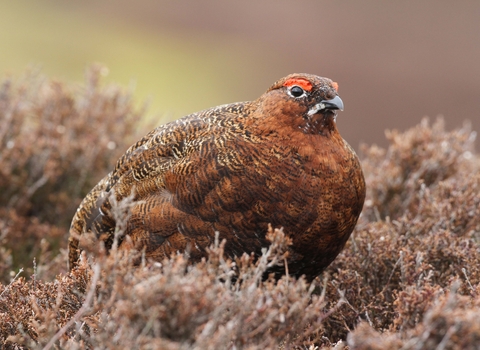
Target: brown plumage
235,169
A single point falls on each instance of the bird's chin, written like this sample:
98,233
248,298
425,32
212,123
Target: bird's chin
325,117
319,123
334,116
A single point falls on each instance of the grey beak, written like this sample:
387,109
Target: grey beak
334,103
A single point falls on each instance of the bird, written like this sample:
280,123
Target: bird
232,171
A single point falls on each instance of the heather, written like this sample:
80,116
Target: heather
408,278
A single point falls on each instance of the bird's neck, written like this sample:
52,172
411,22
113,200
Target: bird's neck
319,124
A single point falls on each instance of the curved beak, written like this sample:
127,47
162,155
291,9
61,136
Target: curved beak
333,104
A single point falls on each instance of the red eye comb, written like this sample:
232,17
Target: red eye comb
303,83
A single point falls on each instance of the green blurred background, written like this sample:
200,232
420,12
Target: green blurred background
395,61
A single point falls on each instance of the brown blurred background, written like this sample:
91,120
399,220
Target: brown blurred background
395,62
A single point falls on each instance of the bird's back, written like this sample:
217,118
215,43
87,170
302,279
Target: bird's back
158,173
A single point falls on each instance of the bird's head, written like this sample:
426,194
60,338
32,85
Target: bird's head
304,102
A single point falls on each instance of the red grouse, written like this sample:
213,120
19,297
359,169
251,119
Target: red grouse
235,169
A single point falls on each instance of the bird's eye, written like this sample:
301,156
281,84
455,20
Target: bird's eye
296,91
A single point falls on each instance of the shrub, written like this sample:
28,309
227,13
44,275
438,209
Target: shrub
56,142
408,278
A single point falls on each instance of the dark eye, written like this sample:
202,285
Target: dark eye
296,91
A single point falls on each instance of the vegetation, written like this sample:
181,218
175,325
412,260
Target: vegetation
408,278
